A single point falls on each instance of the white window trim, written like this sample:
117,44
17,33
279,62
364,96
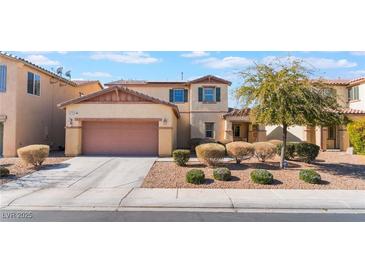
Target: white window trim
183,94
214,95
34,75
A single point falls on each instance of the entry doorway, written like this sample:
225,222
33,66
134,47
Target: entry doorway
240,132
333,138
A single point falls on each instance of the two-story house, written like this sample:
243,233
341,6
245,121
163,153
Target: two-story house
351,96
154,117
29,95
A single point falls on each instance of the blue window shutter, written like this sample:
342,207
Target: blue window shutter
218,94
171,95
200,94
3,78
185,95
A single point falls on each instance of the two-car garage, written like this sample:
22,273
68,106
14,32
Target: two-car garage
130,138
119,121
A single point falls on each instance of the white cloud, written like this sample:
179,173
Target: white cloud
62,52
318,63
226,62
41,60
130,57
361,53
195,54
96,74
358,72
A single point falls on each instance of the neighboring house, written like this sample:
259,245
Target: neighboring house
153,118
351,96
29,96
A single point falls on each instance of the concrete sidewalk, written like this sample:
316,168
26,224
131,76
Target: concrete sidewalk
219,199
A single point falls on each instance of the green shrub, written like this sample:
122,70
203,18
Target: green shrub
261,176
210,154
4,171
240,151
290,150
34,154
306,152
222,174
310,176
356,130
195,176
194,142
181,156
264,150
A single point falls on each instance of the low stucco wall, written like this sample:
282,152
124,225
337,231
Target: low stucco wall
77,112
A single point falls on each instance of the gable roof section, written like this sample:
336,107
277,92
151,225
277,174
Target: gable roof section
87,82
210,79
142,98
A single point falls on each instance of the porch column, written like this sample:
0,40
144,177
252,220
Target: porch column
261,133
309,135
343,138
228,134
318,136
324,137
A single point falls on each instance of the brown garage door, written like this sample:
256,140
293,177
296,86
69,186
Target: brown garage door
120,138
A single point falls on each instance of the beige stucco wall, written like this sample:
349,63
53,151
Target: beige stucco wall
77,112
359,104
34,119
88,88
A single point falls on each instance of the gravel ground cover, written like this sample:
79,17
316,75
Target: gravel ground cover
337,169
18,169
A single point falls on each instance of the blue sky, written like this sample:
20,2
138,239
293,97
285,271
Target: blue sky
168,65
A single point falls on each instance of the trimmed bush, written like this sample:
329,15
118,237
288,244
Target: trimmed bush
4,171
181,156
34,154
210,154
264,150
310,176
290,150
194,142
306,152
356,130
195,176
261,176
240,151
222,174
275,142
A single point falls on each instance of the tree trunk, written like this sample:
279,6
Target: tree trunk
283,147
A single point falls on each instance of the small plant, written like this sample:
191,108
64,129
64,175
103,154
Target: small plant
195,176
240,151
264,151
222,174
34,154
181,156
211,154
306,152
356,130
4,171
310,176
261,176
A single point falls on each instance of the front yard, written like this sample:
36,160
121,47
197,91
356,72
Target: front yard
18,169
337,169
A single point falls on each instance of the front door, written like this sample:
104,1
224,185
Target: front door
332,138
236,128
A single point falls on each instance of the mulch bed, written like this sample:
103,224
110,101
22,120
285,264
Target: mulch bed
18,169
337,169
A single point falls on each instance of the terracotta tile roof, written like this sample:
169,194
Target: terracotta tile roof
357,81
352,111
237,112
24,61
122,89
87,82
336,81
208,78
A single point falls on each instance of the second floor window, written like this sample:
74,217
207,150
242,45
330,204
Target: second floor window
34,84
3,73
354,93
178,95
209,94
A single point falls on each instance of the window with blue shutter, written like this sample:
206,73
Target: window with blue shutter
217,94
3,73
200,94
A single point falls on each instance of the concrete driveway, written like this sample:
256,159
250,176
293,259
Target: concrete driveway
89,172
